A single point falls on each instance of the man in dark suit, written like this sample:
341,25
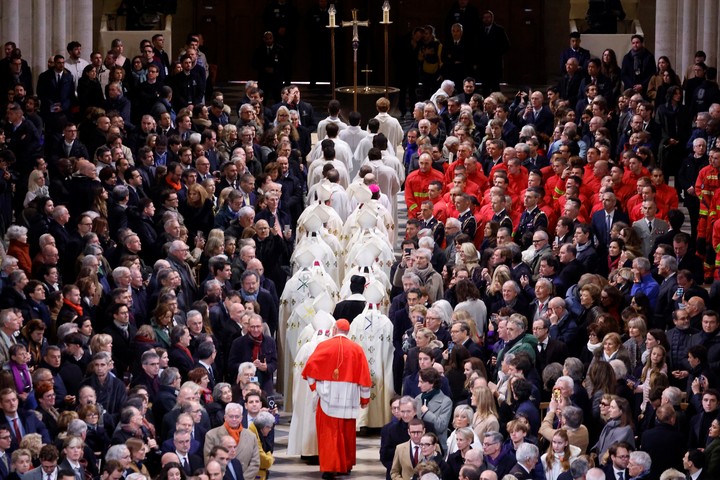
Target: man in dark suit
537,114
694,463
686,260
549,350
354,305
23,139
56,90
619,456
527,455
664,443
572,269
569,84
603,220
150,366
493,43
667,269
5,442
265,360
460,334
70,146
122,333
188,461
21,422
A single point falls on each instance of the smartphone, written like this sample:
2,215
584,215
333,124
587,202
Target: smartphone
200,234
421,321
556,394
451,345
254,379
680,292
408,251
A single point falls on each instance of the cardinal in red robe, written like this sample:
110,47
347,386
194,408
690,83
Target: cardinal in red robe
338,372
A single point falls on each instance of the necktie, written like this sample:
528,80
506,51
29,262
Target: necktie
49,477
487,30
4,461
620,475
125,333
211,376
186,467
58,78
650,226
16,429
415,455
608,224
542,347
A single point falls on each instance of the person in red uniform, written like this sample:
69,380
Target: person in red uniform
416,184
338,372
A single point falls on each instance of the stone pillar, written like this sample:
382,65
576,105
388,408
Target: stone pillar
60,37
82,25
11,21
666,22
710,31
39,47
687,32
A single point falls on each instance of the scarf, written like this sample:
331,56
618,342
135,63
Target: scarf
252,297
593,346
234,432
427,396
78,309
174,185
185,349
257,346
21,375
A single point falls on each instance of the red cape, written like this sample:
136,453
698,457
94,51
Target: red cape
352,367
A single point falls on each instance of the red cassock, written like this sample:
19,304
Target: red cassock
338,372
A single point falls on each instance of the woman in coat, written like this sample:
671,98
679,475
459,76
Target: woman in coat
619,427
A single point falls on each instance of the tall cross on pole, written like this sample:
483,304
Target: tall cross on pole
355,23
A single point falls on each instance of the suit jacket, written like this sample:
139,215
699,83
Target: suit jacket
65,465
30,424
610,473
599,226
402,464
51,92
556,351
77,149
665,305
520,473
666,445
121,346
543,122
660,226
181,360
247,450
234,466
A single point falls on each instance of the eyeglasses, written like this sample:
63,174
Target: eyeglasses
422,444
604,404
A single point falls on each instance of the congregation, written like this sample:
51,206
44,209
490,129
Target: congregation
172,264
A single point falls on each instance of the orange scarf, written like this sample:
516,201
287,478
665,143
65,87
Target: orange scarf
175,185
234,432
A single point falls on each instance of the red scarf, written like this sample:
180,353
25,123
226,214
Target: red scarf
175,185
185,349
77,308
257,346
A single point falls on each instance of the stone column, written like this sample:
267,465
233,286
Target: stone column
666,22
711,17
39,47
687,32
11,21
60,37
82,25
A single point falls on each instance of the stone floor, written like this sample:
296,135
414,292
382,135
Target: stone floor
368,465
